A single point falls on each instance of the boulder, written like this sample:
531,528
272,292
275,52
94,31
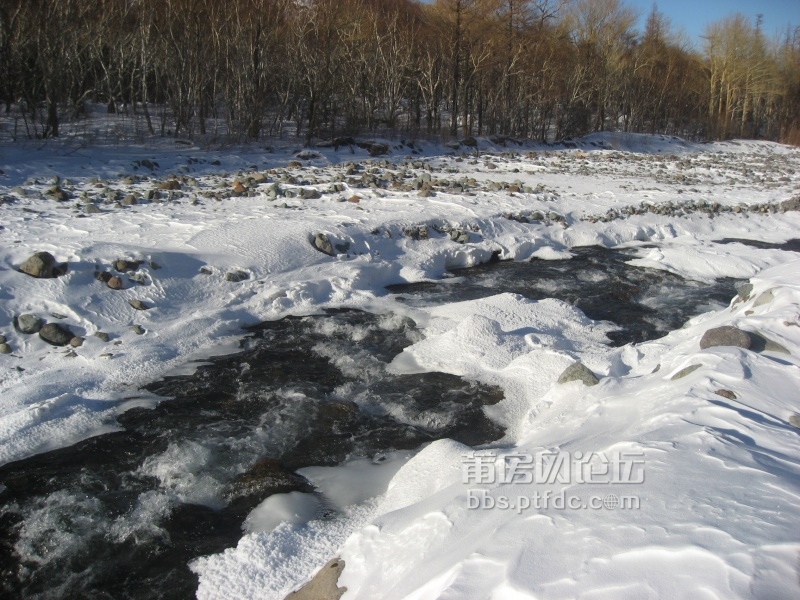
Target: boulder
172,184
115,283
29,324
123,265
56,334
42,265
684,372
138,305
237,276
129,200
76,342
137,329
324,585
5,348
323,244
795,420
726,394
102,336
726,335
578,372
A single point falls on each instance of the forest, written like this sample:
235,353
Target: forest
245,70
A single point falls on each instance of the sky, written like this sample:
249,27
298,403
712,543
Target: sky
694,15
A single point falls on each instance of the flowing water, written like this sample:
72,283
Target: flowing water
120,515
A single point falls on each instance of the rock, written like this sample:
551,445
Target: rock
3,339
91,209
795,420
323,244
470,142
129,200
323,586
103,276
378,149
237,276
137,329
310,194
294,164
56,334
764,298
459,236
791,204
101,335
172,184
354,199
123,265
578,372
76,342
726,394
744,292
115,283
206,271
684,372
154,265
759,343
726,335
42,265
138,305
239,189
5,348
29,324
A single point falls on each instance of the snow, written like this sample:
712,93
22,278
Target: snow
719,516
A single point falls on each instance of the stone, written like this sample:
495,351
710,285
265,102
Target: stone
759,343
129,200
726,394
29,324
91,209
56,334
324,585
765,298
459,236
354,199
237,276
172,184
101,335
791,204
323,244
76,342
578,372
3,339
205,271
137,329
115,283
42,265
238,188
138,305
5,348
744,292
795,420
726,335
684,372
122,265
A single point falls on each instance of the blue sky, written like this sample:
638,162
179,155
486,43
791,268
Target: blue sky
693,15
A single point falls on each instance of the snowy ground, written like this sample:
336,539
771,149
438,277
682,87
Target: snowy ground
719,514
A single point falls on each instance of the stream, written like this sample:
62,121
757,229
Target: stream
120,515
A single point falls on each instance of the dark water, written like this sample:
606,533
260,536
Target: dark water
790,246
645,304
121,515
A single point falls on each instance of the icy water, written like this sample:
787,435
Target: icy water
643,303
121,515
